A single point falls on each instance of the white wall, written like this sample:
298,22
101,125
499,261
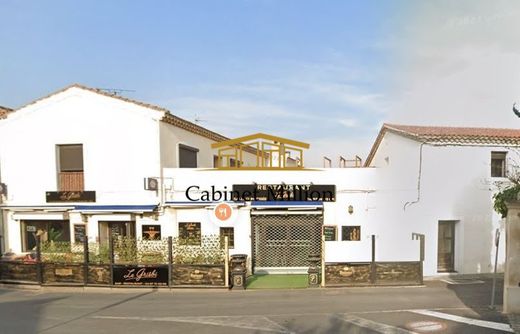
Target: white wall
120,147
172,136
455,185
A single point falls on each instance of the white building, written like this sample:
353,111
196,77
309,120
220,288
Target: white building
439,181
101,147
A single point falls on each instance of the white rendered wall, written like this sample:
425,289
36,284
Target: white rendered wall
120,147
455,185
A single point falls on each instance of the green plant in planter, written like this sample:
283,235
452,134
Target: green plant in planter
508,194
54,235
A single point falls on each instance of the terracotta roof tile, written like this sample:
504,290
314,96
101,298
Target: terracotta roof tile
4,111
447,135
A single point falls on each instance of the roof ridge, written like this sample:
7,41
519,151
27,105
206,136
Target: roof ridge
167,118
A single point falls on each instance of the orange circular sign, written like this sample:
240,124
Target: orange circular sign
223,211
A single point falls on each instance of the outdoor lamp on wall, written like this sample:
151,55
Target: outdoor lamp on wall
350,209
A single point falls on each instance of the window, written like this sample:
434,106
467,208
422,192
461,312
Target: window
189,233
52,230
70,167
498,164
151,232
330,233
351,233
215,161
70,158
227,232
235,163
118,229
187,156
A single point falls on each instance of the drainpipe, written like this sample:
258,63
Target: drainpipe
419,175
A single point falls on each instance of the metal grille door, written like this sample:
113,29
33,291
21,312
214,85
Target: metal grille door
285,240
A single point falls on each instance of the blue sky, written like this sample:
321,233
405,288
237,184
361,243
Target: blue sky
325,72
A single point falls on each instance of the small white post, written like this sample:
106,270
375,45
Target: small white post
323,260
226,262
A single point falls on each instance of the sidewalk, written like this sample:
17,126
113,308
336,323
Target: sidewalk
514,320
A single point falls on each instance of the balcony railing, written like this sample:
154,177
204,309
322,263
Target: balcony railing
71,181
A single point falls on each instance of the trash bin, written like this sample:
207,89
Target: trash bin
314,271
238,271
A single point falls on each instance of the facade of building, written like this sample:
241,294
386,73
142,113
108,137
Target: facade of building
85,163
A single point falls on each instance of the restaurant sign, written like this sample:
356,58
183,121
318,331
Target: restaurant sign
140,275
286,192
70,196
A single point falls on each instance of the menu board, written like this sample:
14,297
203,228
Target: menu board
330,233
151,232
80,231
351,233
190,233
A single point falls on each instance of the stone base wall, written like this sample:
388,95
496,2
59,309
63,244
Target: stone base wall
99,274
398,273
377,273
62,273
347,274
18,271
211,275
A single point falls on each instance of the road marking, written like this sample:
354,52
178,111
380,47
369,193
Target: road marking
426,326
481,323
261,323
375,326
461,282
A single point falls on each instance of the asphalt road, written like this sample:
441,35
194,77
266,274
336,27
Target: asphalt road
436,308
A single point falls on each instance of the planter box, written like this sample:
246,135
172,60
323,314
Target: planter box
198,274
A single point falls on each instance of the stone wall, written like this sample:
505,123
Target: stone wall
18,271
63,273
210,275
378,273
398,273
347,274
99,274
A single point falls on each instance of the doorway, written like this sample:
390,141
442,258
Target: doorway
117,229
283,243
446,246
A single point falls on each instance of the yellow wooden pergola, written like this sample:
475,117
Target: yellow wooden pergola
271,152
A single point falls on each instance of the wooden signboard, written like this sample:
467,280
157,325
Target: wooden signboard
70,196
80,231
330,233
140,275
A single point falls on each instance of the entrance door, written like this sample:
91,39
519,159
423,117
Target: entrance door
116,229
446,247
285,241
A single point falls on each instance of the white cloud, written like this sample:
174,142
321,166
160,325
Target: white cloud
349,122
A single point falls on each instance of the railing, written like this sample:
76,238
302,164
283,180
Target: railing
71,181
